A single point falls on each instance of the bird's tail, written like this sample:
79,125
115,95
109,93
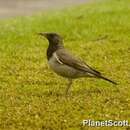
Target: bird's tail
109,80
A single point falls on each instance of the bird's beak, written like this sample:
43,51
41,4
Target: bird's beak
42,34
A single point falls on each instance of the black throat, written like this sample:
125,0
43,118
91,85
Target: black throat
52,48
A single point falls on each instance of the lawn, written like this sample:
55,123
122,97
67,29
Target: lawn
32,97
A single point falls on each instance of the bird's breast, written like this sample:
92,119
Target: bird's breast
60,68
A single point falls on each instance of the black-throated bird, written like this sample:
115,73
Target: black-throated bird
65,64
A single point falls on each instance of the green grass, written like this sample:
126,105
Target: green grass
32,96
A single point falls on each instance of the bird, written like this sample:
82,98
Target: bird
65,64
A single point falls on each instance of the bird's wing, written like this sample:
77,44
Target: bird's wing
66,58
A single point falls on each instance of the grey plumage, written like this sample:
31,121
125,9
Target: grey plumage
65,64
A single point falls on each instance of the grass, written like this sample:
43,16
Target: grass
32,96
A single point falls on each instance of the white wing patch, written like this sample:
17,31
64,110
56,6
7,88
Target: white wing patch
58,60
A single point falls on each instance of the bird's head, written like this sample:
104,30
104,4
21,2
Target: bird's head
53,38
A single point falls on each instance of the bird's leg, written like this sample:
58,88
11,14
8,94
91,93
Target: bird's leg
68,85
